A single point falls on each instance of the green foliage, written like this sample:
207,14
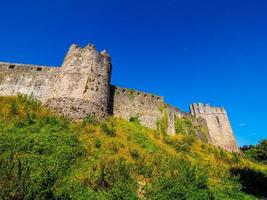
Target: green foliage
130,94
253,181
143,140
43,156
190,127
90,119
33,157
97,143
134,153
13,110
180,126
230,189
135,119
184,144
163,122
108,128
258,152
184,182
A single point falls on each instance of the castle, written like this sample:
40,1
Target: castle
81,87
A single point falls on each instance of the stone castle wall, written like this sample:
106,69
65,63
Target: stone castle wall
149,108
37,81
81,87
220,131
130,103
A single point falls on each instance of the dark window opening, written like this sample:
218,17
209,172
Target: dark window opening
11,67
39,69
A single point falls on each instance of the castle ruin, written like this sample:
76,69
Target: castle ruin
81,87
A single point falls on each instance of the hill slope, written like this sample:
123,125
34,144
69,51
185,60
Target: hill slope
43,156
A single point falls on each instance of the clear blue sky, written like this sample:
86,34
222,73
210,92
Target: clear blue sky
210,51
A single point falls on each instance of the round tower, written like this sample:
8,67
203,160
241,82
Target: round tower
83,82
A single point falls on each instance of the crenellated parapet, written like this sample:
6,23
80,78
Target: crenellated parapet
32,80
15,67
127,103
78,58
205,109
220,130
81,87
85,74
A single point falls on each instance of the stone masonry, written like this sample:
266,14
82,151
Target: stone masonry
220,130
81,87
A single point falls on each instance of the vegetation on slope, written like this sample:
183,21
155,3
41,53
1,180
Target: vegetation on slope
43,156
257,153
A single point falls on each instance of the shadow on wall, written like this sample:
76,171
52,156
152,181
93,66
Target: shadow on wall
253,182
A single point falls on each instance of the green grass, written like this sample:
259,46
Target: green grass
44,156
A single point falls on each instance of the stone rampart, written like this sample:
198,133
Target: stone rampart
220,130
129,103
81,87
37,81
76,108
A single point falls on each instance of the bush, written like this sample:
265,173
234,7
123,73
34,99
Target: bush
90,119
186,182
257,153
134,153
43,156
13,108
163,122
97,143
114,147
184,144
35,156
108,129
135,120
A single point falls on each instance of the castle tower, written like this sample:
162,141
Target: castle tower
220,130
83,83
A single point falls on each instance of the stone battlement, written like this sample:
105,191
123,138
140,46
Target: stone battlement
200,108
81,87
135,93
7,67
89,51
220,130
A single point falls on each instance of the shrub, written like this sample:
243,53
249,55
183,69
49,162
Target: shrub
97,143
163,122
33,157
184,144
130,94
114,147
135,119
13,107
90,119
258,152
108,129
134,153
112,172
180,126
186,182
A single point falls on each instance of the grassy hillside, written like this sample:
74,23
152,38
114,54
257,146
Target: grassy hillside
43,156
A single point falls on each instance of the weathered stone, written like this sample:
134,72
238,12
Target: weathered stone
81,87
220,130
